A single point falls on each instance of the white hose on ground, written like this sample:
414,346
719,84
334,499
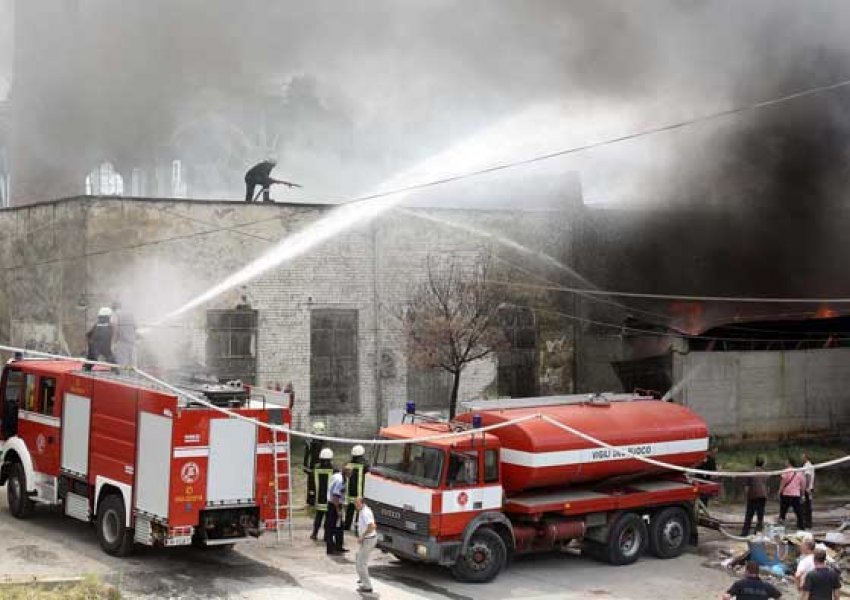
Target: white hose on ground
382,442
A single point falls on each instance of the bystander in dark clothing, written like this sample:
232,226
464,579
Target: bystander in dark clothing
334,532
791,484
823,583
756,499
709,464
752,587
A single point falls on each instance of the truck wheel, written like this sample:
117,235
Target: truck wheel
669,532
485,556
115,538
20,504
626,539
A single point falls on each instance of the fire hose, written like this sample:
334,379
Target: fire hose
619,451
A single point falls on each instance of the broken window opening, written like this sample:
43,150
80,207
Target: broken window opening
334,380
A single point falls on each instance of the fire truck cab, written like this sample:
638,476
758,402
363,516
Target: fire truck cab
143,463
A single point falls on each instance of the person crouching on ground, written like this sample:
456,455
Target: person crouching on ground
367,535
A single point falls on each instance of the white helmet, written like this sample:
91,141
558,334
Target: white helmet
358,450
104,312
318,427
326,454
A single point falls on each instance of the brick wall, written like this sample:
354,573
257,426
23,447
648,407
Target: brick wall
153,255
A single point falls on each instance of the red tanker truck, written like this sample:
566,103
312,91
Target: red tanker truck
473,502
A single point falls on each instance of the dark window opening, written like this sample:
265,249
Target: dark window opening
518,365
334,381
491,466
14,386
463,469
29,393
232,343
47,395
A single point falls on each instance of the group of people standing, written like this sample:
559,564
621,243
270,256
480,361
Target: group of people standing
796,492
336,495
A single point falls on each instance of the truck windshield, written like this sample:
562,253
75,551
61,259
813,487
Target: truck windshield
410,463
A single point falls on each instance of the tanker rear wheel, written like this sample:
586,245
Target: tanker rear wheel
485,556
669,532
626,539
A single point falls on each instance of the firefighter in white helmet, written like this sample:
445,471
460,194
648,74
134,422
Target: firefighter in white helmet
322,473
312,448
99,338
359,467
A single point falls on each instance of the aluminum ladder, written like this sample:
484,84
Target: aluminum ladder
282,489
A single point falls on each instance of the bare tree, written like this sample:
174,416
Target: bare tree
451,317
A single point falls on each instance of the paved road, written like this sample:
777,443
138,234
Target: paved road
50,545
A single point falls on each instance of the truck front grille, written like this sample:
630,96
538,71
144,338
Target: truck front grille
386,515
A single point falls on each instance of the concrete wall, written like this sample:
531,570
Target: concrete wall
62,260
767,395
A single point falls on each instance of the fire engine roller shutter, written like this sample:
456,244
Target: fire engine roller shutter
233,453
76,419
153,464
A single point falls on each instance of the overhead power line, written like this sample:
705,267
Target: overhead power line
684,297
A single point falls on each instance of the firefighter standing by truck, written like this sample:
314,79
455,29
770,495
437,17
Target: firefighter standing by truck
99,338
321,478
312,449
354,489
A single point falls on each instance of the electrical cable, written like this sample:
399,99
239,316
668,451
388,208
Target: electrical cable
692,298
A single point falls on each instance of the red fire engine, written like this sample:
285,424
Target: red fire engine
145,464
472,502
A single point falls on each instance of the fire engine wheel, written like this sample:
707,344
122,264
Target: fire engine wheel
626,539
669,532
20,505
485,556
115,538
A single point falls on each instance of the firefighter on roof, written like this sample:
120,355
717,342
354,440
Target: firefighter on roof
99,338
312,448
359,468
260,175
321,477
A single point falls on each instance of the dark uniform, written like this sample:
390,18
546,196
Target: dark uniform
99,339
354,489
311,459
321,477
259,175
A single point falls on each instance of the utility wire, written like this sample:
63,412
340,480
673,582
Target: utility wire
744,299
609,141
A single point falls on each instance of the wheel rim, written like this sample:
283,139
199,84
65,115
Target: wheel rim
673,533
111,527
480,555
14,491
629,541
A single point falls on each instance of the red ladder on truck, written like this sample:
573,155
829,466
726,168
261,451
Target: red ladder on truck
282,483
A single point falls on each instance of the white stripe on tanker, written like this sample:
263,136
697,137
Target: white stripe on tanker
596,455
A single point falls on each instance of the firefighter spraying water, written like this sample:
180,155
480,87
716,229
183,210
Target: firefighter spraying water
260,176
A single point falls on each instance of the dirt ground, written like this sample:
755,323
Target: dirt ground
52,546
